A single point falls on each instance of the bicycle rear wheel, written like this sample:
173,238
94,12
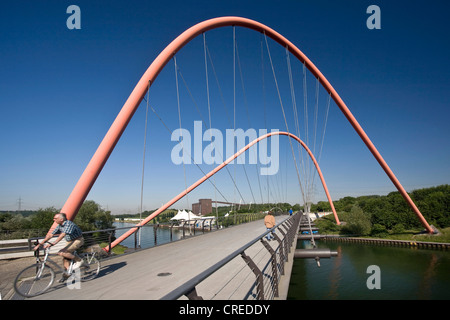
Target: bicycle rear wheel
34,280
90,268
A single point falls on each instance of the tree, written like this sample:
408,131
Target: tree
358,223
379,231
5,216
43,219
345,204
14,223
321,206
92,217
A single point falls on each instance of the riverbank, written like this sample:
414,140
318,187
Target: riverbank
388,242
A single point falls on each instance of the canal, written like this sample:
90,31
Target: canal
401,273
147,237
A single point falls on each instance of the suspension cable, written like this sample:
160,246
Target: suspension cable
323,133
310,188
306,120
143,163
234,96
284,115
248,116
209,113
192,159
294,107
206,126
265,106
181,131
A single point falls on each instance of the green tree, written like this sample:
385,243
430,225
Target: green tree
5,216
345,204
358,223
92,217
14,223
43,219
379,231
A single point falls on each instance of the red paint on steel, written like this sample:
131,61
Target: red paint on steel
113,135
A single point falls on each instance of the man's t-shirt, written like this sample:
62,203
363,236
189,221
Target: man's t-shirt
71,230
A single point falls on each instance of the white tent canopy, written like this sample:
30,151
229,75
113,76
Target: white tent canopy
184,215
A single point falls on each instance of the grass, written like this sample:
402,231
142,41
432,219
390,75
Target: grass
414,235
118,249
327,226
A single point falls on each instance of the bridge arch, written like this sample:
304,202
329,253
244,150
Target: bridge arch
93,169
220,167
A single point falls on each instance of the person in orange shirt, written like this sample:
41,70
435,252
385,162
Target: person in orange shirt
269,222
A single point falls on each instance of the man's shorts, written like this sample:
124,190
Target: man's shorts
73,245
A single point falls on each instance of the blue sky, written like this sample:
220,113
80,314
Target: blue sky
61,89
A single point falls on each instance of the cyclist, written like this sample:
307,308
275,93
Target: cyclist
73,234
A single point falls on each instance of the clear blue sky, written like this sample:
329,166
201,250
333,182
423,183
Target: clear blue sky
61,89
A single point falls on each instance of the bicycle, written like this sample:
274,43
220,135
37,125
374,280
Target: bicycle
39,277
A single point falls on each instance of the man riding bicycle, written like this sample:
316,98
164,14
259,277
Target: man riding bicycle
73,234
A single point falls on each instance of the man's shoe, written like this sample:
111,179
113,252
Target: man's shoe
65,276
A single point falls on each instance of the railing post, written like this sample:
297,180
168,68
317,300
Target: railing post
155,233
282,257
286,250
109,242
135,239
258,274
192,295
286,238
274,267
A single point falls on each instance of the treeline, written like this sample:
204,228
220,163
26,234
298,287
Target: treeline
365,215
161,218
90,217
380,215
221,211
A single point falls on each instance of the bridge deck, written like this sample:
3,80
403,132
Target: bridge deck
135,276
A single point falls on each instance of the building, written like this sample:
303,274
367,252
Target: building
204,206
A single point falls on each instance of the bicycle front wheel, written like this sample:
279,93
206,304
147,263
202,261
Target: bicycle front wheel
90,268
34,280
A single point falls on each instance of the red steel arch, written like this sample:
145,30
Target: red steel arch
93,169
217,169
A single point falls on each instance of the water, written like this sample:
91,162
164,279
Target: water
147,235
405,273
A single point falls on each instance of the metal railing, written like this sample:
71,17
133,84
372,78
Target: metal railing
266,263
151,235
176,230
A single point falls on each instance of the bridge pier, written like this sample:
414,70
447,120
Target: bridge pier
313,253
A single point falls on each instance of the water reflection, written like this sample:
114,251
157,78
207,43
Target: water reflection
406,273
147,237
335,275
